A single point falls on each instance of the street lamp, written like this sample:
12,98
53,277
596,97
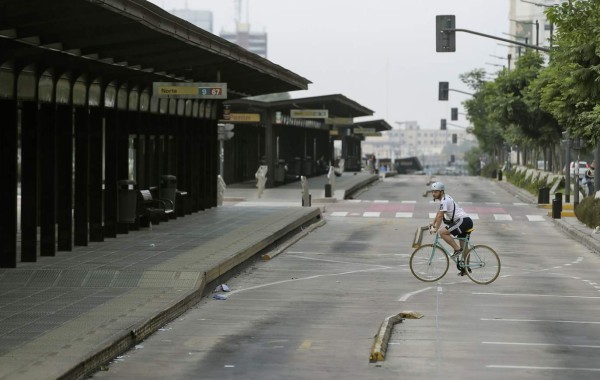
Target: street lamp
537,29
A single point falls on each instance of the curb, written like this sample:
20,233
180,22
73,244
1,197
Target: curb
385,331
293,240
141,331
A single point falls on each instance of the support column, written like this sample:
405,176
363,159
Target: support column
29,181
8,190
82,166
64,184
47,119
95,174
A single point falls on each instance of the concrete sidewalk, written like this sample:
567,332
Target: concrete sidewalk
64,316
570,225
291,193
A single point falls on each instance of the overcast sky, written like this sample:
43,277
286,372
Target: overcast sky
379,53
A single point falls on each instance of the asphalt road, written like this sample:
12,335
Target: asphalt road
312,311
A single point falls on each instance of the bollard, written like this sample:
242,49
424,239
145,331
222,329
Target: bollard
327,190
555,209
558,198
544,195
499,175
306,197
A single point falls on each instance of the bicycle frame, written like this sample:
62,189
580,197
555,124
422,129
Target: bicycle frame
467,246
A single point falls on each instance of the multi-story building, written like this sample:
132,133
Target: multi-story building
202,19
528,24
256,42
433,147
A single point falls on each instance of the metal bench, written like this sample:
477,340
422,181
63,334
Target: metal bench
151,210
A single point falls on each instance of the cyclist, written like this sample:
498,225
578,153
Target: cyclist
457,221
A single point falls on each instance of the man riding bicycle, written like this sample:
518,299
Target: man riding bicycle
457,221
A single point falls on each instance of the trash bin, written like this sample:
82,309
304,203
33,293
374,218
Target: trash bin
544,195
280,171
168,187
499,175
126,201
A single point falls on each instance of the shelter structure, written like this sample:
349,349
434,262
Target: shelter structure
78,115
293,137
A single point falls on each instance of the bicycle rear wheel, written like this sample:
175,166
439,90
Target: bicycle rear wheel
482,264
429,263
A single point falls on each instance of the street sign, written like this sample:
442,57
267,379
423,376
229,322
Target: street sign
364,131
225,131
309,114
339,120
244,117
183,90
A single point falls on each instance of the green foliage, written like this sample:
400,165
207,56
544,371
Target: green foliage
588,212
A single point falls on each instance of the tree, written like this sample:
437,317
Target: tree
572,92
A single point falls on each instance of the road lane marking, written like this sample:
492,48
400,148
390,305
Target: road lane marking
502,217
474,216
535,218
371,214
541,344
537,320
404,215
408,295
543,368
339,213
531,295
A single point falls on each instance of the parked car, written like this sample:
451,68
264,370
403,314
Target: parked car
583,166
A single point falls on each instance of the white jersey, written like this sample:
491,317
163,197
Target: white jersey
452,211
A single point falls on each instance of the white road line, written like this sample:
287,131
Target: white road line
432,215
404,215
408,295
492,203
543,368
502,217
409,201
535,218
339,213
541,344
474,216
381,201
530,295
520,204
537,320
371,214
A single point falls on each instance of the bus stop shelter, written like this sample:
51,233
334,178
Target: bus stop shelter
78,115
352,136
292,137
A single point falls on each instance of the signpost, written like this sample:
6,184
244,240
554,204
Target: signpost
309,114
185,90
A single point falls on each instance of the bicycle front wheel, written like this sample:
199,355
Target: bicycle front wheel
482,264
429,263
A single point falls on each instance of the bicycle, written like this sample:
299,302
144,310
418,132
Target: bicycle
430,262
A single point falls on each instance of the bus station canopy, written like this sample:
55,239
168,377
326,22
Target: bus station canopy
131,41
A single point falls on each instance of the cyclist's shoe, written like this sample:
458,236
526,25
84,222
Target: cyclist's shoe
462,273
457,253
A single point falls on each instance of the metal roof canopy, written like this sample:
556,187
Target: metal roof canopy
338,105
132,41
379,125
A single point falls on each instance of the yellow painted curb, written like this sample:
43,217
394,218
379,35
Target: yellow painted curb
564,214
385,330
565,206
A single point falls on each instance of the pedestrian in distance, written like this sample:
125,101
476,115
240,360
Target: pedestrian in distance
457,221
589,179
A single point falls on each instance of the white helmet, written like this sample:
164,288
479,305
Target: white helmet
438,186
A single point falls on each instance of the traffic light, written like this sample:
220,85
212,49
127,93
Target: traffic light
225,131
453,113
443,125
445,41
454,138
443,91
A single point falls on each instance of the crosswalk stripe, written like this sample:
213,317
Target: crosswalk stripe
474,216
381,201
371,214
404,215
535,218
502,217
339,213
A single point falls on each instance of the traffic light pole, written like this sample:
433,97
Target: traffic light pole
497,38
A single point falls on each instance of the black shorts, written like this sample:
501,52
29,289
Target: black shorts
460,228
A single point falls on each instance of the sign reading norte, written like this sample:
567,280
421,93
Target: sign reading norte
190,90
